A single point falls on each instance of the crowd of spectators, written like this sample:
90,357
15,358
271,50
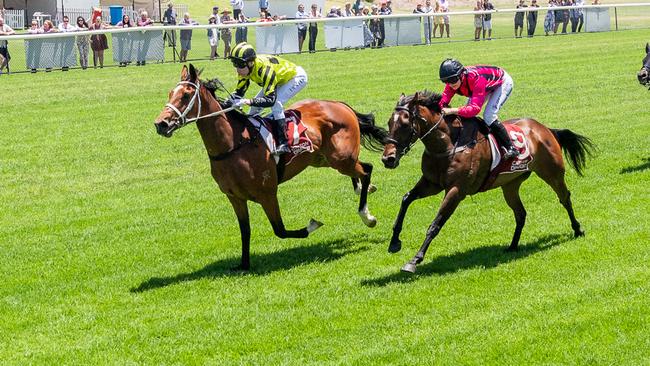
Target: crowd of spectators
437,24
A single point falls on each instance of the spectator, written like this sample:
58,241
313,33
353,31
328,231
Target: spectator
65,25
596,2
34,29
95,12
315,13
265,16
302,27
559,16
125,23
335,12
217,18
374,27
357,8
383,10
169,18
82,43
444,8
48,27
487,19
186,36
532,18
241,34
226,33
549,20
428,21
566,14
438,22
144,20
264,5
5,57
368,38
347,10
213,37
389,8
519,18
577,18
237,7
419,10
98,42
478,20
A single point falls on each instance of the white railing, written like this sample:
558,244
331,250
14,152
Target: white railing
15,18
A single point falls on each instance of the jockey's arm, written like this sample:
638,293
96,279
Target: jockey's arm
475,103
265,101
242,86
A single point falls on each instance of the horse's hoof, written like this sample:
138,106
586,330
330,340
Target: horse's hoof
578,233
395,246
367,218
372,188
409,267
512,249
313,225
240,269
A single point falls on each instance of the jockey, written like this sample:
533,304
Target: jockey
478,83
280,81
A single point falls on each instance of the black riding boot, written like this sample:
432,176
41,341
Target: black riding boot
280,127
501,135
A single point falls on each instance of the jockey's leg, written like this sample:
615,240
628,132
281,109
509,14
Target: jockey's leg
495,101
284,93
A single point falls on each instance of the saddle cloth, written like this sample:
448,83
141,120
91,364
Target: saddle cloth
296,132
518,164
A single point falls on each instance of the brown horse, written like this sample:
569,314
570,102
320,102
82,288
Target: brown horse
462,170
242,165
644,74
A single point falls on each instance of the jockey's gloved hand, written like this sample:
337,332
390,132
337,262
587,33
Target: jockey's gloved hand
238,103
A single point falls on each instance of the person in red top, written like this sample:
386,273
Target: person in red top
479,83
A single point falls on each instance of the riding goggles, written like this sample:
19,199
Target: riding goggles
239,63
450,79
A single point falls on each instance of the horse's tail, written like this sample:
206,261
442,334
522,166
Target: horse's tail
372,136
576,148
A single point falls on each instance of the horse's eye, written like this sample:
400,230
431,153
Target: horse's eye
186,96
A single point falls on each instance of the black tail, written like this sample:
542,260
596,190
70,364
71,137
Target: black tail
372,137
576,148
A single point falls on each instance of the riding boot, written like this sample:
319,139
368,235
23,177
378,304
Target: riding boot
501,135
280,127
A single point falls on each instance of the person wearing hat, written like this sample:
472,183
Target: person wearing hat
479,83
226,33
280,80
217,21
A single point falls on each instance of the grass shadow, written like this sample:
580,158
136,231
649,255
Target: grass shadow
632,169
481,257
262,264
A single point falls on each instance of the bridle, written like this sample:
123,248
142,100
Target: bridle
181,117
413,117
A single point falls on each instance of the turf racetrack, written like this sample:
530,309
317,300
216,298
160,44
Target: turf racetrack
116,244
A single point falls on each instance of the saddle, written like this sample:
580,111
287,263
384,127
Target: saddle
296,132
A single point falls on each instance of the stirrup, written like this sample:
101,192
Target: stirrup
510,153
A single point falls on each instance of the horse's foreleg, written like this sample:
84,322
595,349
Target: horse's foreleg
422,189
449,204
511,195
272,210
241,210
364,213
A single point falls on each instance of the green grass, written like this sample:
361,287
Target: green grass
116,244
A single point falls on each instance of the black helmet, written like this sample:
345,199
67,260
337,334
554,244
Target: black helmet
242,53
450,70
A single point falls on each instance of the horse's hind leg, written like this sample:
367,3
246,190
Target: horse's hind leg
511,195
364,213
556,181
272,210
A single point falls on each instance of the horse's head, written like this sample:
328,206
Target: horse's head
644,74
409,121
184,105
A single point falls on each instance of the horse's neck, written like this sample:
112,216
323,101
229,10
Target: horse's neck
437,142
218,133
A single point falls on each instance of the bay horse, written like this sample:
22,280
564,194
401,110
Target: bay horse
462,170
644,74
242,165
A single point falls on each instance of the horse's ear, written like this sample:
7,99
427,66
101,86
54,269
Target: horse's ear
414,101
193,73
184,73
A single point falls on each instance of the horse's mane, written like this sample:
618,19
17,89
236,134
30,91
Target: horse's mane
215,85
426,98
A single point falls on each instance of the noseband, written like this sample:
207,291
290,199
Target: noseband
403,150
181,118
